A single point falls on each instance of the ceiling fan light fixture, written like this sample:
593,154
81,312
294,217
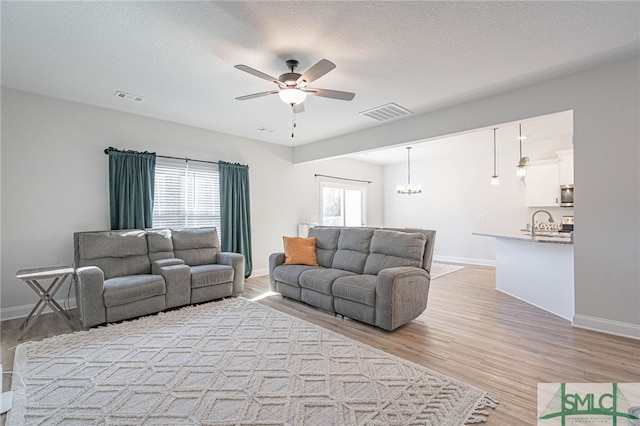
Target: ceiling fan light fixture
292,96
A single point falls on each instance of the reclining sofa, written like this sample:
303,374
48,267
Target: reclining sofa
129,273
377,276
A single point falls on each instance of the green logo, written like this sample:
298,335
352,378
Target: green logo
587,403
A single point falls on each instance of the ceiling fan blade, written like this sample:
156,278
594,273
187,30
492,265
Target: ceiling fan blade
259,74
315,72
298,108
333,94
256,95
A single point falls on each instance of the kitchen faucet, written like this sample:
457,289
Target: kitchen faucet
533,223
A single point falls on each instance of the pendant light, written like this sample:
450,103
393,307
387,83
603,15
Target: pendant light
410,189
495,180
521,168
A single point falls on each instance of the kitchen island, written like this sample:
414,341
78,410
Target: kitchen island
537,270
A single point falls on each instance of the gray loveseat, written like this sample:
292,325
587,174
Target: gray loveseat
377,276
130,273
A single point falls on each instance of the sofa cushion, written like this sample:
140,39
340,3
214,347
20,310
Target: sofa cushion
206,275
353,249
160,244
290,274
95,245
392,248
117,253
321,279
357,288
326,244
300,251
198,246
132,288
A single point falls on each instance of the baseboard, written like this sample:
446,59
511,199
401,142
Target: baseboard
260,272
534,304
22,311
469,261
603,325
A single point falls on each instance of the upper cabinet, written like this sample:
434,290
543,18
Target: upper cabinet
544,178
566,166
542,183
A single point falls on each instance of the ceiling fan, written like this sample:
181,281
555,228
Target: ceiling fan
292,86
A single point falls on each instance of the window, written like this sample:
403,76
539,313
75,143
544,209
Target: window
343,204
187,194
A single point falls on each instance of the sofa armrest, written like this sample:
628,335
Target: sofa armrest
236,260
276,259
160,263
401,295
177,278
90,296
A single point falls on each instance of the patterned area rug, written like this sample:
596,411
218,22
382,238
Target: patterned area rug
229,362
440,269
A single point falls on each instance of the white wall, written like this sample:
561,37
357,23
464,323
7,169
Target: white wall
606,107
458,198
309,198
54,181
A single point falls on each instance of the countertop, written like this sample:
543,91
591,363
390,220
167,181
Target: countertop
560,238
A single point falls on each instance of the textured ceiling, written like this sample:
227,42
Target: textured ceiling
420,55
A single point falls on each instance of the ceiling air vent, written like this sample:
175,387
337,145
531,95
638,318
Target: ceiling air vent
128,96
386,112
264,129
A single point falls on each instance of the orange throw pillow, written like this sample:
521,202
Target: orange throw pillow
300,251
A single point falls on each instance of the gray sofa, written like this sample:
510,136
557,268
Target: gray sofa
377,276
130,273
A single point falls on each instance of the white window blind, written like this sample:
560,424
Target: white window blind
187,194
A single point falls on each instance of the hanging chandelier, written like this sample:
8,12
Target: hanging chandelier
495,180
410,189
521,168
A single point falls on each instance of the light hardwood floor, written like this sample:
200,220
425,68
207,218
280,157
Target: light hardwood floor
470,332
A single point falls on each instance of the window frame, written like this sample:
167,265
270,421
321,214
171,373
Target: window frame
362,187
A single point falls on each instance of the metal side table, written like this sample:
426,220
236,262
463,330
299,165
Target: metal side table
58,275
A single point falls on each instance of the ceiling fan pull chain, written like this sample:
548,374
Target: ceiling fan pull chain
293,119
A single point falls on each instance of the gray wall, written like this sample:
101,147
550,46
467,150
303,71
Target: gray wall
606,107
54,181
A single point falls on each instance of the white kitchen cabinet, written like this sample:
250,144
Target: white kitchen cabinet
566,167
542,183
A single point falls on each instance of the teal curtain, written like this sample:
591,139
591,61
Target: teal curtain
131,184
235,216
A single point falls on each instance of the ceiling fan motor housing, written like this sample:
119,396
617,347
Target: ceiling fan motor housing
289,78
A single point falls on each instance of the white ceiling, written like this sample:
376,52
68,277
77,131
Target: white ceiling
420,55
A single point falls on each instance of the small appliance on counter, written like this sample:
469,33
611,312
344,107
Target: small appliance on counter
567,224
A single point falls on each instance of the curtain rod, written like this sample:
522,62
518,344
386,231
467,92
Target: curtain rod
106,151
341,178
